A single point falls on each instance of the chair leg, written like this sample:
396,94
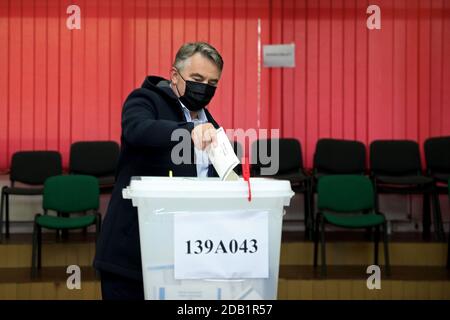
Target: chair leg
322,247
437,216
448,254
386,250
426,218
7,215
312,205
34,250
376,244
309,223
376,196
316,240
85,228
1,214
65,232
39,247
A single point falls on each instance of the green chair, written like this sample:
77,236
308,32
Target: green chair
448,249
65,195
348,201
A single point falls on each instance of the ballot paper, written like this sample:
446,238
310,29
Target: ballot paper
223,157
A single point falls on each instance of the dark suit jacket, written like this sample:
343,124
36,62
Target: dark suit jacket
150,114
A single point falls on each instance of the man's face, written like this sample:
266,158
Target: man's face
196,68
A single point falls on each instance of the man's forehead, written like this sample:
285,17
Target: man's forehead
200,65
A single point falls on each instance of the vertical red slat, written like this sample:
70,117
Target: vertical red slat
68,54
215,38
424,70
15,76
436,57
349,70
312,82
56,26
324,55
251,64
40,76
300,107
128,46
289,81
28,89
228,75
376,110
337,68
190,24
153,34
445,119
240,68
276,73
265,73
399,71
141,42
104,71
4,84
91,109
178,25
412,71
361,70
78,78
115,55
165,44
385,110
203,20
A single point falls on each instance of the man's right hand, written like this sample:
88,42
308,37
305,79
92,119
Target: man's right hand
204,135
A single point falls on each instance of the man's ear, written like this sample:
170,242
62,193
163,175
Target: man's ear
173,75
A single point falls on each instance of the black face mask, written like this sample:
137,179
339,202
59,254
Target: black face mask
196,95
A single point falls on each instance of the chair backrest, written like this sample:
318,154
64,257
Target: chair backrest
71,193
289,157
336,156
437,154
345,193
96,158
394,157
34,167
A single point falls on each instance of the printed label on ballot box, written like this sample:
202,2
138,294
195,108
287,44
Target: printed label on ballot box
221,245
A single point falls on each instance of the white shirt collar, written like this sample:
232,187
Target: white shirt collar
201,115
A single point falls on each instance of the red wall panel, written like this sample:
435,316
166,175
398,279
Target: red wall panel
58,86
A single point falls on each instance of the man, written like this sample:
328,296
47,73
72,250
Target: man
150,116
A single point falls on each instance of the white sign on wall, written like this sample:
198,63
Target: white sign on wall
279,55
221,245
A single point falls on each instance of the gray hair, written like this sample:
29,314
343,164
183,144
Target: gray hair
187,50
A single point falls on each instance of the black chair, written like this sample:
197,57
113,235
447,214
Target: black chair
337,156
448,247
396,169
290,167
95,158
437,156
30,168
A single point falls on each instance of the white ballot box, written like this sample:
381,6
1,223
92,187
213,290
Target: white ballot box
203,238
